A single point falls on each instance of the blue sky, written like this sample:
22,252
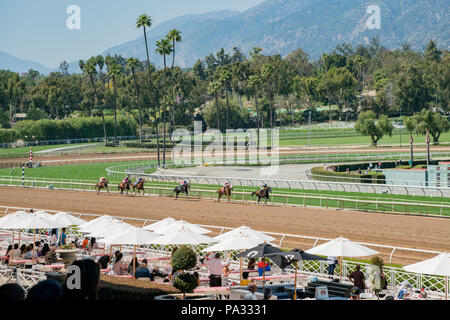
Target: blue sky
36,29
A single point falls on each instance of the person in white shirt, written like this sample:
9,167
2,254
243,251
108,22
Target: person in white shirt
332,261
215,266
251,294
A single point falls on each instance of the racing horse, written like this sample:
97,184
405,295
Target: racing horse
101,185
182,189
124,186
139,187
225,191
264,193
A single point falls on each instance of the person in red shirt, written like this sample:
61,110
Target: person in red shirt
263,266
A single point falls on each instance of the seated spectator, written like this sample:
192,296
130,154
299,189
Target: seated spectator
90,276
130,265
77,243
156,273
226,271
245,281
8,252
354,294
251,294
11,292
103,262
143,272
47,290
50,256
53,239
93,244
28,252
267,293
251,264
120,268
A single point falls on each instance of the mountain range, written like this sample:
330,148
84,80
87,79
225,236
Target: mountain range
281,26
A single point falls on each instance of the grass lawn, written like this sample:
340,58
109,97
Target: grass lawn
22,150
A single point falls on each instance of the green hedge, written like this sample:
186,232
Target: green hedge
73,128
7,136
113,291
324,175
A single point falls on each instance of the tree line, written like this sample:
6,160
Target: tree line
233,89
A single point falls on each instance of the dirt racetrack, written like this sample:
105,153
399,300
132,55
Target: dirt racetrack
384,229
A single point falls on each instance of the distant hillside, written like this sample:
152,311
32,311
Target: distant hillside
10,62
280,26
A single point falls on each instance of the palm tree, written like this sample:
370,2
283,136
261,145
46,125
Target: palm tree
411,126
89,69
101,64
225,80
213,89
163,47
174,35
254,82
114,71
145,21
267,72
132,64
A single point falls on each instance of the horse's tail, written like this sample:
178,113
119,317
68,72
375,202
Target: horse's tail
175,189
253,193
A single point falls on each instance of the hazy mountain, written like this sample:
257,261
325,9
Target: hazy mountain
317,26
10,62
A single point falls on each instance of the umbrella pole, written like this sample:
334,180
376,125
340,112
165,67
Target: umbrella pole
295,281
134,261
264,276
12,251
34,245
446,287
240,270
340,269
110,253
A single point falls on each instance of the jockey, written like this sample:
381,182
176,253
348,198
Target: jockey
226,184
264,186
183,183
138,180
102,179
126,179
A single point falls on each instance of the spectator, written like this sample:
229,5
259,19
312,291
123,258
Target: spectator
22,249
405,290
16,253
90,275
354,293
11,292
53,239
77,243
50,256
215,266
251,294
143,272
28,252
8,253
267,293
120,267
251,264
130,265
332,262
357,278
244,282
63,238
85,243
263,266
156,273
44,250
47,290
197,276
103,262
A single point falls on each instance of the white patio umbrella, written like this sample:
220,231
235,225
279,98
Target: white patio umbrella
160,225
439,265
134,236
342,247
182,225
183,236
10,219
238,241
110,229
245,230
97,225
86,225
44,214
67,219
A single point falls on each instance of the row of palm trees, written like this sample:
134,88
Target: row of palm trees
164,47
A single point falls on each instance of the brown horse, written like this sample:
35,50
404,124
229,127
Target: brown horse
225,191
102,185
124,186
264,193
182,189
139,187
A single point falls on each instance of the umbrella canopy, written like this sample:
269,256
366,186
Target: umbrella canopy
439,265
342,247
134,236
97,225
287,257
12,218
182,225
44,214
112,228
67,219
160,225
245,230
261,250
88,224
183,236
238,241
31,221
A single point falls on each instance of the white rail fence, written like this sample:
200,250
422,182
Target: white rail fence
433,284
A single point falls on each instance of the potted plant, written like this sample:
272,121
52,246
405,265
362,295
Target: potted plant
376,276
68,254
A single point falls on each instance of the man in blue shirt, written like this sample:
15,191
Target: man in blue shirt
62,239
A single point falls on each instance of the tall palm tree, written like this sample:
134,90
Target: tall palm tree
101,63
145,21
254,82
267,72
174,35
90,70
411,126
132,64
214,88
114,71
225,80
163,47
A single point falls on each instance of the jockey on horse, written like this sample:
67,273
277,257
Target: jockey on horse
103,183
137,181
139,185
182,188
226,189
263,193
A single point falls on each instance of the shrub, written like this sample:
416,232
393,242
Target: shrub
7,136
320,174
185,282
183,258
